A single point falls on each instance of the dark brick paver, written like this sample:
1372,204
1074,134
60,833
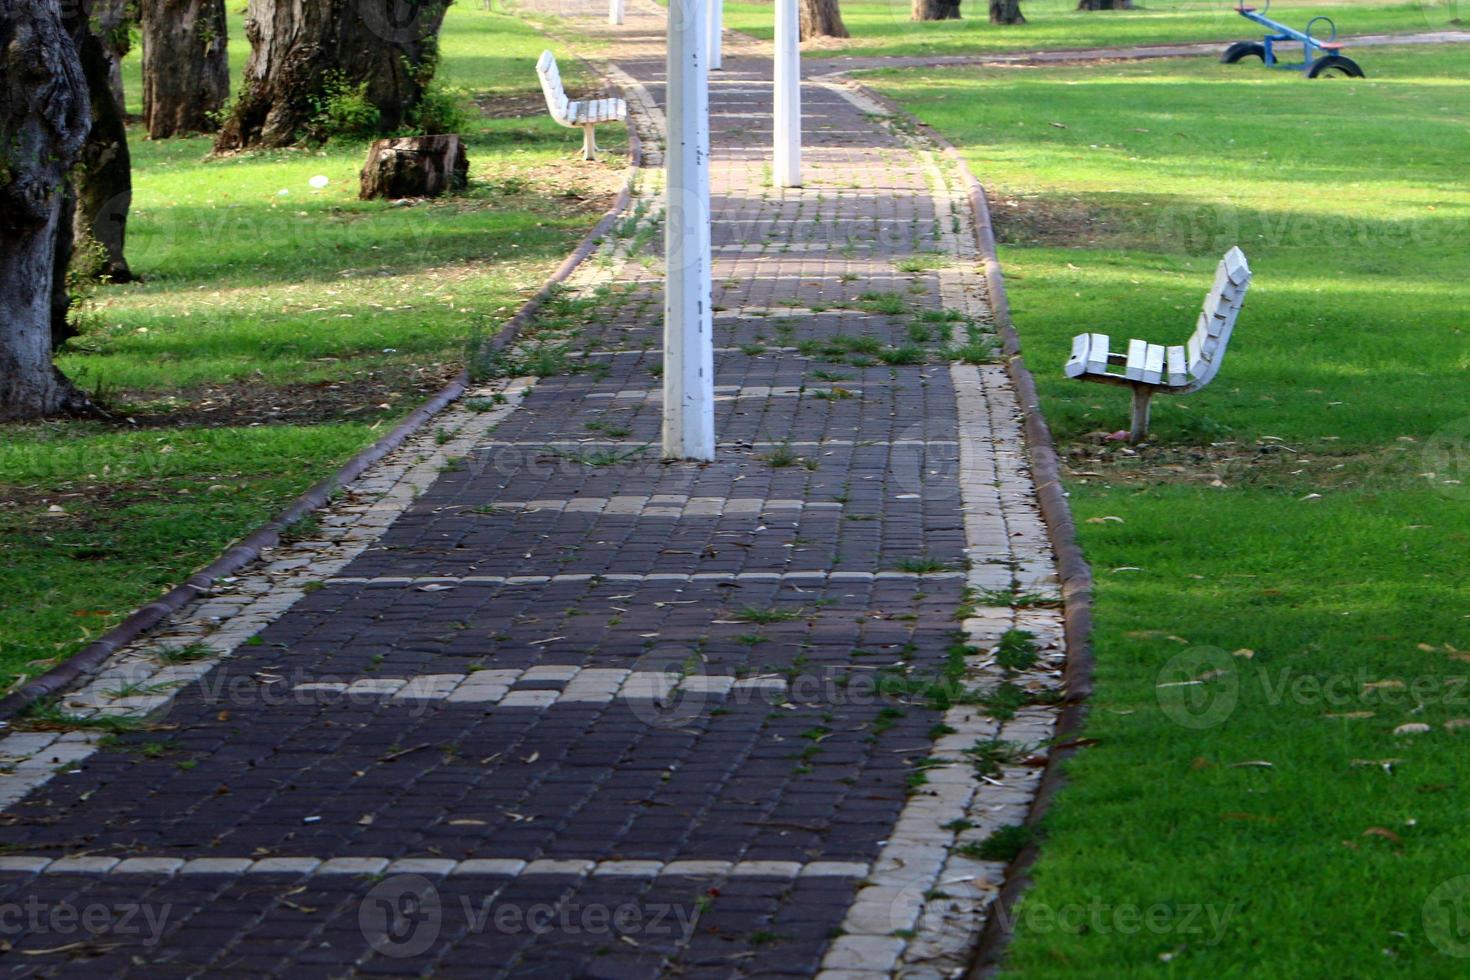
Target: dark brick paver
237,766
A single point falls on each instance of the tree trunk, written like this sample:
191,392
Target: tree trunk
1104,4
821,18
43,123
111,21
62,252
103,181
936,10
414,166
186,70
1006,12
301,51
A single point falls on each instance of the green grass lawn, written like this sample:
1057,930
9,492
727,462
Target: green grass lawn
279,328
1294,539
883,27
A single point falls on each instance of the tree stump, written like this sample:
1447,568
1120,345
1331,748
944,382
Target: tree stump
936,10
414,166
1006,12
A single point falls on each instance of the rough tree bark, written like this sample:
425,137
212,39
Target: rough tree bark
821,18
1006,12
299,50
936,10
103,181
44,119
414,166
186,68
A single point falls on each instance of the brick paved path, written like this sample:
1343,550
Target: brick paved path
533,703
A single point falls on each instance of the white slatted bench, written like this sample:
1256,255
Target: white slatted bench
585,114
1150,369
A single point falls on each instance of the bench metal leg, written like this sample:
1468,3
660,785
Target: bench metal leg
1139,430
589,144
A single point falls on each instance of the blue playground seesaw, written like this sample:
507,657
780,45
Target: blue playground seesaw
1320,58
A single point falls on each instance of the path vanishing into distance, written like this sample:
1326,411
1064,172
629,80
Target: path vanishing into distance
529,701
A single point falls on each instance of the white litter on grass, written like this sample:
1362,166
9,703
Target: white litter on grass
283,193
319,181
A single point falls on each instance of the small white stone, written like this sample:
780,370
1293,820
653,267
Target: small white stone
82,865
767,869
422,866
548,866
628,869
21,862
835,869
284,865
217,866
551,672
863,953
353,866
490,866
148,866
697,868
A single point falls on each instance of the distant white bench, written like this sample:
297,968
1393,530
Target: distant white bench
585,114
1150,368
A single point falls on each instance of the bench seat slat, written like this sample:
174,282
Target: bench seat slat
1137,354
1097,353
1153,364
1077,363
1178,375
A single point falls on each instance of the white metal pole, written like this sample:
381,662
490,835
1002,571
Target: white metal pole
787,116
689,394
716,25
615,12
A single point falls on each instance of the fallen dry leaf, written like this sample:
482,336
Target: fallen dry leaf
1412,728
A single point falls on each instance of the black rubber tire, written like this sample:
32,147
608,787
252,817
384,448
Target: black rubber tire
1334,64
1243,49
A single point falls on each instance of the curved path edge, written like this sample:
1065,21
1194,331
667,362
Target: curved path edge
1073,569
87,661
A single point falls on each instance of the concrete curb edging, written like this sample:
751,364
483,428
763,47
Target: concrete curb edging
88,660
1072,567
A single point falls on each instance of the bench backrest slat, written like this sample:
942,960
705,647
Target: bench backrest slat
551,87
1206,347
